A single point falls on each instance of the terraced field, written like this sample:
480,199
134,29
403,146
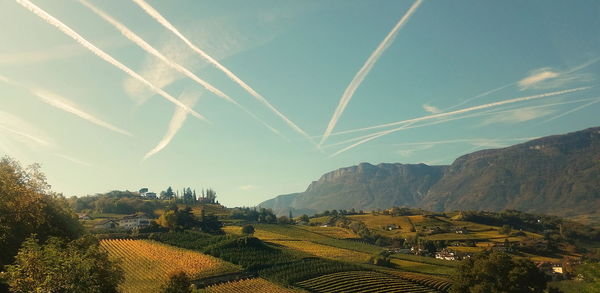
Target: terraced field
324,251
362,281
249,285
148,264
333,232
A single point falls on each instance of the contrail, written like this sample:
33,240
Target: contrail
125,31
571,111
164,22
103,55
64,104
74,160
67,106
177,121
366,68
474,108
469,109
25,135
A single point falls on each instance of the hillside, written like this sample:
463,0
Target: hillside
555,175
362,187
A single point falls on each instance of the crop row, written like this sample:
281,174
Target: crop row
362,281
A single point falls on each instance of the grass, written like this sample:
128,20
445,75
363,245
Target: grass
148,264
333,232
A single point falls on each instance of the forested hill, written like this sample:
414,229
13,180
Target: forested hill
555,175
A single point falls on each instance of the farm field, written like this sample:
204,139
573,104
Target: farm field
148,264
333,232
324,251
362,281
421,267
440,283
280,232
248,285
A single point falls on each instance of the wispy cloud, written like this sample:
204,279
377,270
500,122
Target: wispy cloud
365,69
164,22
446,114
69,107
466,110
23,130
172,64
578,108
537,76
431,109
248,187
517,116
100,53
549,78
46,54
177,121
66,105
73,160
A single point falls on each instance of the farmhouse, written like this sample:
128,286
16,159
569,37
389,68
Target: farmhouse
446,255
105,225
134,222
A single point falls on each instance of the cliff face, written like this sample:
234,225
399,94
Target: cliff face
556,175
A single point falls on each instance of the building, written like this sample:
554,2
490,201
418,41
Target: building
151,195
446,255
106,225
134,222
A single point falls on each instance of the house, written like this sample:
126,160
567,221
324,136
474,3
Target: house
134,222
446,255
462,230
391,227
151,195
83,217
106,225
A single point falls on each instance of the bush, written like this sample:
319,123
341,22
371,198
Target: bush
248,229
178,283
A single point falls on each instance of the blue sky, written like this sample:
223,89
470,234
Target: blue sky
393,81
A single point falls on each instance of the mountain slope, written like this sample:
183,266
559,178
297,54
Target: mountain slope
556,175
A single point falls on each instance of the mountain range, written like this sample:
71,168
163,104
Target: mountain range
557,175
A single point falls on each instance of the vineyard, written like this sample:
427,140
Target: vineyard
147,264
439,283
324,251
248,285
362,281
333,232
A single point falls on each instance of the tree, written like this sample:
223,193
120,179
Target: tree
283,220
497,272
178,283
59,266
248,229
168,220
506,229
28,206
168,194
304,218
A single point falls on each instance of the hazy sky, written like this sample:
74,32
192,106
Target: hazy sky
259,98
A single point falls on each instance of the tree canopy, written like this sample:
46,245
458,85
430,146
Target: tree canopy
60,266
28,206
495,272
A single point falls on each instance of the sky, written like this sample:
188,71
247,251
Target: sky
259,98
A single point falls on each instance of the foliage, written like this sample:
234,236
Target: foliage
498,272
180,219
178,283
27,206
381,259
248,229
57,266
251,214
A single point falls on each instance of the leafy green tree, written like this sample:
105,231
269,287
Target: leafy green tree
59,266
497,272
506,229
248,229
28,206
305,218
178,283
168,194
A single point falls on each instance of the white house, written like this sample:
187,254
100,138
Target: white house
134,222
106,225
